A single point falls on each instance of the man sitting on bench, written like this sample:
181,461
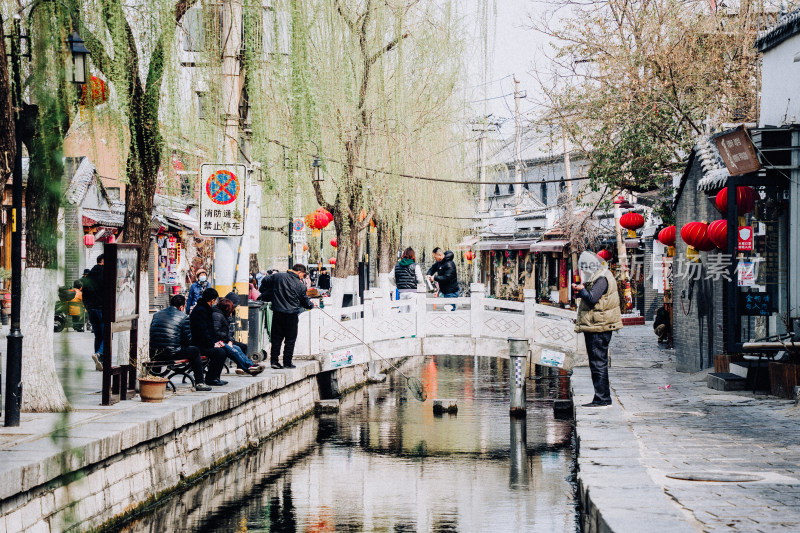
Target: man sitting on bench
171,339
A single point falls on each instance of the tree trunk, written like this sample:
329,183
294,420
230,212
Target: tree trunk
41,389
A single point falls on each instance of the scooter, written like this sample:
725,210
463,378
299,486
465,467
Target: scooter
62,318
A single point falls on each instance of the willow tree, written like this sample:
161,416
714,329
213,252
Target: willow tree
642,79
369,87
8,146
44,121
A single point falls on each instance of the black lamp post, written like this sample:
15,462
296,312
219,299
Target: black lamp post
77,75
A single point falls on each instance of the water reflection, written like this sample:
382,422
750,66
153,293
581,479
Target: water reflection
386,463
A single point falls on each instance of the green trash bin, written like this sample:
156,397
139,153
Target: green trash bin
259,318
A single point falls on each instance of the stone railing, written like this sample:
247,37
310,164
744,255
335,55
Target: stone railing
475,325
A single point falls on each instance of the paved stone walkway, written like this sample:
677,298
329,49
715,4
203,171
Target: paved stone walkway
664,423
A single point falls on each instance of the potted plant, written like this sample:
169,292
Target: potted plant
152,388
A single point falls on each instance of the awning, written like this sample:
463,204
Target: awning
468,242
552,245
183,220
493,245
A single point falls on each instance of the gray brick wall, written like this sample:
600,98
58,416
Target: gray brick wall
699,322
73,245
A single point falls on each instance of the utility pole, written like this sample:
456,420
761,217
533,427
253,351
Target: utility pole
483,127
517,149
232,254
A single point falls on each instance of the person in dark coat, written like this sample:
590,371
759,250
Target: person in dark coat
324,280
201,322
443,272
93,303
222,314
287,292
197,288
171,339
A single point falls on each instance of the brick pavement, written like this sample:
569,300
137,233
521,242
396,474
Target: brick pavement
626,451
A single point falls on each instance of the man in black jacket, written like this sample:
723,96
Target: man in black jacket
202,328
93,302
287,292
443,272
171,339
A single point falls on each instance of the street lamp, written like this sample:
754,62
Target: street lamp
316,171
77,75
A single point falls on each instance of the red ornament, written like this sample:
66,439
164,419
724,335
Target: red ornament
604,254
469,256
111,239
334,243
745,200
88,239
695,234
332,260
318,219
99,92
329,215
631,221
667,236
718,233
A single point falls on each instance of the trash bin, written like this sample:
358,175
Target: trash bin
259,317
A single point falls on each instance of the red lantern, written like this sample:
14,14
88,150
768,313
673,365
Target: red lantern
632,221
718,233
111,239
332,261
88,239
604,254
695,234
329,215
99,93
745,200
667,236
334,243
469,256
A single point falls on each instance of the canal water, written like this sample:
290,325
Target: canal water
386,463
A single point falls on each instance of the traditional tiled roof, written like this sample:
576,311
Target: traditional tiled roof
715,175
80,181
101,217
787,26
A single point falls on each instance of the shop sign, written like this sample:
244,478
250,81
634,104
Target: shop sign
746,273
745,237
341,358
755,304
771,254
737,151
222,200
552,358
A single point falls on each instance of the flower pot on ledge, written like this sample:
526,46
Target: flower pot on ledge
152,388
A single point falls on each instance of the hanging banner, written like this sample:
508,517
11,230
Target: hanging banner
222,197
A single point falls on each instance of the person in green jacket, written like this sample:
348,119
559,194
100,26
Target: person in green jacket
598,317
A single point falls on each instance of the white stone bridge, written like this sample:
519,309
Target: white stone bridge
426,326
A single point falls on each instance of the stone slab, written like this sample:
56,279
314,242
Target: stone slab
726,381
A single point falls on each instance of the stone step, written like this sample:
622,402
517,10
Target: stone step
725,381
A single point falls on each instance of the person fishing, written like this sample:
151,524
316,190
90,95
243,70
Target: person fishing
598,317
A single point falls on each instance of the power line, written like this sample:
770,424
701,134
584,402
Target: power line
425,178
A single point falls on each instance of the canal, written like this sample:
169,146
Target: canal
385,462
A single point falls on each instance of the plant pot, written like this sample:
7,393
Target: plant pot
152,389
783,378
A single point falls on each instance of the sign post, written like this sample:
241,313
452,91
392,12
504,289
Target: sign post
120,313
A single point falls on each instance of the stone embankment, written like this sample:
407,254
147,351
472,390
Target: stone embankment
132,453
671,455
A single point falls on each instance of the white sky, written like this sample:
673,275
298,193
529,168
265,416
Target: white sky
516,46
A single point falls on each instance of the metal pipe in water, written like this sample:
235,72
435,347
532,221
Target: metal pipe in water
518,353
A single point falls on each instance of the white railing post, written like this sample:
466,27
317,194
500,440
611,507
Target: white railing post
530,314
314,323
422,310
477,295
369,312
